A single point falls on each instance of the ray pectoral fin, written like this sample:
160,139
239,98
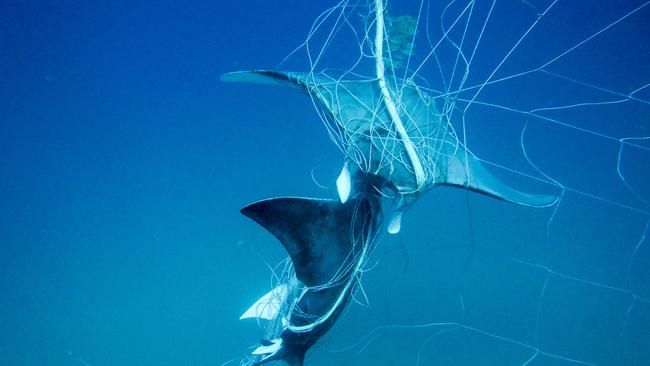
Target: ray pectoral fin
261,77
315,232
269,348
267,306
482,181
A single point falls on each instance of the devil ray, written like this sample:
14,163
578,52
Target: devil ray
329,241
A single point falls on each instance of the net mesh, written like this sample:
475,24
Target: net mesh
549,95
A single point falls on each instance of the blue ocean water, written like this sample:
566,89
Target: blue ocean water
124,163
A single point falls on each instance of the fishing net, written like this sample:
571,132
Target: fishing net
550,96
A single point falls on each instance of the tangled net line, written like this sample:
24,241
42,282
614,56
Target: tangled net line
436,124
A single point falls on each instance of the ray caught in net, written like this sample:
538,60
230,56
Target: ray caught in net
553,96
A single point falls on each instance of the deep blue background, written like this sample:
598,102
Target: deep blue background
124,162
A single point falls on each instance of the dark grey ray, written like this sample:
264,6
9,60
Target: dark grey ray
328,242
